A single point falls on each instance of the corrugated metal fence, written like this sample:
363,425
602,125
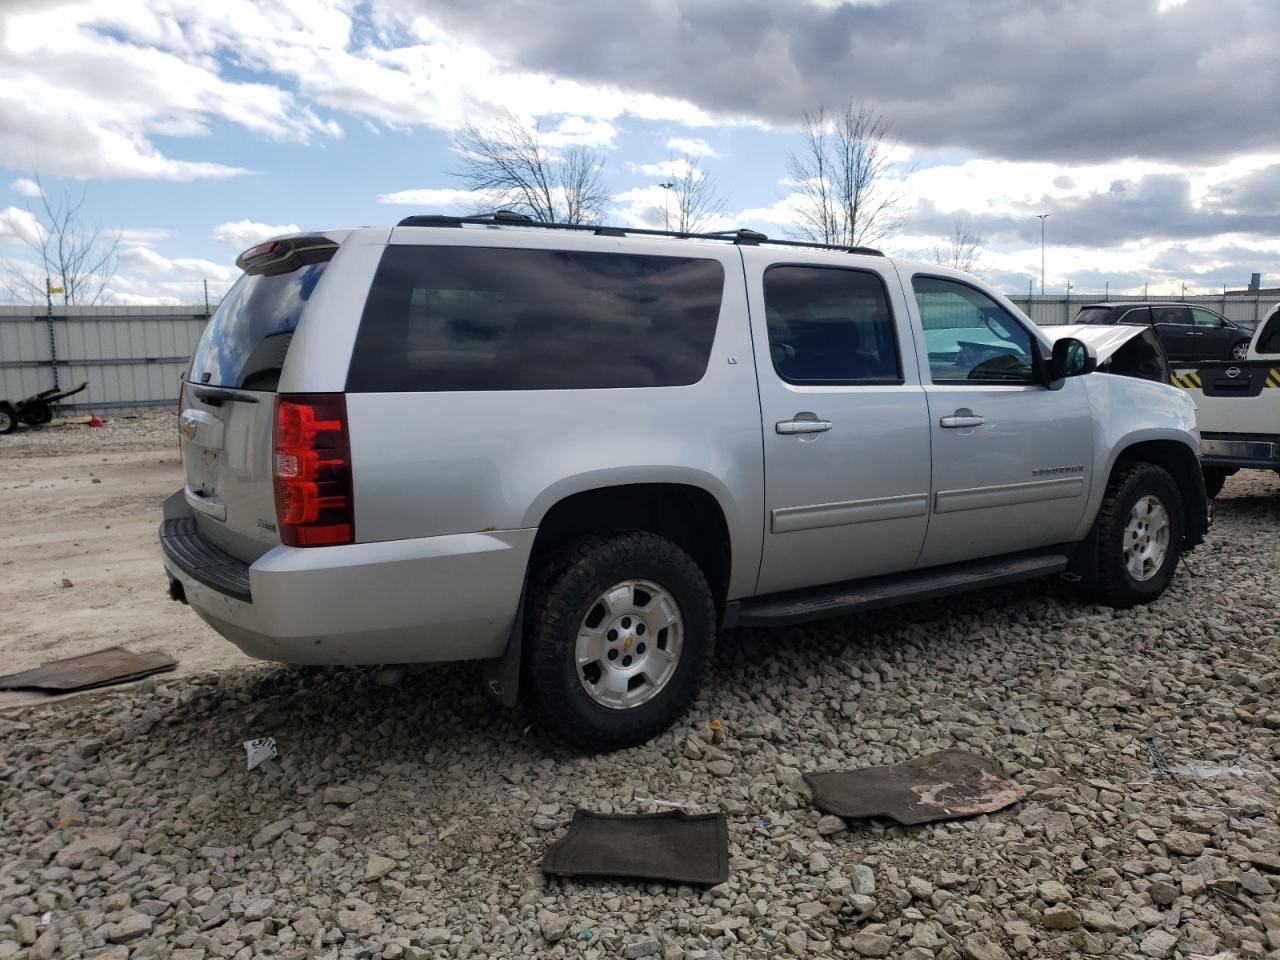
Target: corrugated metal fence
134,356
130,356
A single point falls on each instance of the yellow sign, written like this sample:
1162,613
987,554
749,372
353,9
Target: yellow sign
55,290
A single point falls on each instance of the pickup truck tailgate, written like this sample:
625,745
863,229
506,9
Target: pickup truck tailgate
1237,410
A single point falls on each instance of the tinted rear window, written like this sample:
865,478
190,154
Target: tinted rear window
488,318
245,342
829,326
1093,315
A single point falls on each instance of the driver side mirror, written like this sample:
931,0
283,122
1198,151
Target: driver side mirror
1071,358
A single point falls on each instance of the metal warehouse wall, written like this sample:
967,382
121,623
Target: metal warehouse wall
129,356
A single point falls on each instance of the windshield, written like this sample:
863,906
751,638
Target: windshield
247,338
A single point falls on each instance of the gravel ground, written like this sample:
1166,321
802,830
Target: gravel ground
80,566
119,433
407,818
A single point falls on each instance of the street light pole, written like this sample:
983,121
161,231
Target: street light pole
666,208
1042,217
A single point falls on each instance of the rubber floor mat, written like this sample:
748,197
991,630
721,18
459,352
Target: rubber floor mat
99,669
940,786
673,846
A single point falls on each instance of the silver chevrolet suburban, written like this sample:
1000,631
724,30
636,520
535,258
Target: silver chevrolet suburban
578,453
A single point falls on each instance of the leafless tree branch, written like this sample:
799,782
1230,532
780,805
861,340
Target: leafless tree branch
844,174
693,200
508,165
66,252
962,249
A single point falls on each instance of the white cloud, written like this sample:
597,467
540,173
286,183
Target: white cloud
245,233
81,101
25,187
675,169
87,87
431,198
580,132
19,224
692,146
145,276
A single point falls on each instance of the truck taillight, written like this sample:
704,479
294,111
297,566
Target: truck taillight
311,470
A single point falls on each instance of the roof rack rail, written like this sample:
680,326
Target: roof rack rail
741,236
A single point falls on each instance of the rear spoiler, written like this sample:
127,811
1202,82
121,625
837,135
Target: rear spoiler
286,254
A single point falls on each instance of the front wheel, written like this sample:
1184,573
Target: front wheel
1240,350
619,633
8,419
1140,528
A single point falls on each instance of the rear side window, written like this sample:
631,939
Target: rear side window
246,339
1093,315
489,318
1170,316
1139,316
830,325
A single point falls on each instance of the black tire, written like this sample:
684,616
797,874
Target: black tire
564,591
1239,350
1129,484
1214,478
8,419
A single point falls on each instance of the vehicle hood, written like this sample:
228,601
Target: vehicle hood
1105,340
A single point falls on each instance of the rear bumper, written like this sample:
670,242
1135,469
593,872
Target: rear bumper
1241,451
401,601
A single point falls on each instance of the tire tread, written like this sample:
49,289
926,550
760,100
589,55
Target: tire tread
554,598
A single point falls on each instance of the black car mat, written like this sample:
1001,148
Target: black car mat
673,846
98,669
939,786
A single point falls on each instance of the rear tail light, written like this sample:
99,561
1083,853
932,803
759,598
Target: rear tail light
311,470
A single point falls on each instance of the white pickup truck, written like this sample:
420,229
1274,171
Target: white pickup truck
1238,407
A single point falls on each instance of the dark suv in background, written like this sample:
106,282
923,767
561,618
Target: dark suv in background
1187,332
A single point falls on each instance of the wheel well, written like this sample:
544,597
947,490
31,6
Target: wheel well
688,516
1184,467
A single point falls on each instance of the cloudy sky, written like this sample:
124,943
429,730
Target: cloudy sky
1149,130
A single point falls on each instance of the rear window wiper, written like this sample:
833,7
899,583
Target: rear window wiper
214,396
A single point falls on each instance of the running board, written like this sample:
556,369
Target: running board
838,599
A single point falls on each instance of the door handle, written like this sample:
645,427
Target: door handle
789,427
203,503
964,417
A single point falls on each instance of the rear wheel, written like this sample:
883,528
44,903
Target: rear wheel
1240,350
620,631
8,419
1140,529
1214,478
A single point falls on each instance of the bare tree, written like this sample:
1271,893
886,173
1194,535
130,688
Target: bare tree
509,165
962,249
66,252
692,202
845,176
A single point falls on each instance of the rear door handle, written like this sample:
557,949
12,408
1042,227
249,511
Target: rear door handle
802,426
963,417
203,503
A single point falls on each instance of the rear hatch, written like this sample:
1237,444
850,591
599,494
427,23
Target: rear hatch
228,398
